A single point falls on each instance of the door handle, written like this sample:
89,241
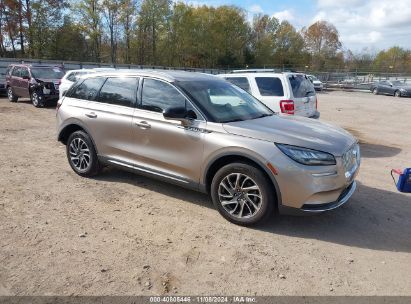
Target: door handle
91,115
143,124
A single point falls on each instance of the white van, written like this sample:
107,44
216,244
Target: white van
285,93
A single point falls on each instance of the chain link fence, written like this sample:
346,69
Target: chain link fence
332,80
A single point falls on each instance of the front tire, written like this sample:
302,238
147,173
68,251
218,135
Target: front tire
242,194
11,96
397,93
36,100
375,91
82,155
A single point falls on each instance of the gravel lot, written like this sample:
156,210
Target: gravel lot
121,233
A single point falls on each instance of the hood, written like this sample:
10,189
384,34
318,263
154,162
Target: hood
47,80
294,130
405,87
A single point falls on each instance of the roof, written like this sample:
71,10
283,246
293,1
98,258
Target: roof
169,75
258,74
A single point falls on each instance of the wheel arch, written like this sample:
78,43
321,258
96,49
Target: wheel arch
225,159
67,130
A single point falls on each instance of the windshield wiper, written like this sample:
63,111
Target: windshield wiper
309,92
232,120
263,115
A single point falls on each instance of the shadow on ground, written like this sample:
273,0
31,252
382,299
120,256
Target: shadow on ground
374,218
371,150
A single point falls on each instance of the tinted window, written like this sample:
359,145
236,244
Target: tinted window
16,72
269,86
301,86
241,82
119,91
24,72
158,96
88,89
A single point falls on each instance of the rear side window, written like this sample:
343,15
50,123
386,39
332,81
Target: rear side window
88,89
119,91
301,86
270,86
16,72
158,96
241,82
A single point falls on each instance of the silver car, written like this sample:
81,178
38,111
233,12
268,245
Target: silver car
203,133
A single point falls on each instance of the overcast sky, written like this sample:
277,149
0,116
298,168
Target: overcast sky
374,24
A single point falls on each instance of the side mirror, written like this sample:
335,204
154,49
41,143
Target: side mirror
179,113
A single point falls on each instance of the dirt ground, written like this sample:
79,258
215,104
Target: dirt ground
120,233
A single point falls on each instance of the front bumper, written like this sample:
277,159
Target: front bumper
314,188
344,197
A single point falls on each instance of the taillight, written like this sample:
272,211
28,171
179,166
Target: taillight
59,103
287,107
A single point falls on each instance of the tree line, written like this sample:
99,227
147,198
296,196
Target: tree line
167,33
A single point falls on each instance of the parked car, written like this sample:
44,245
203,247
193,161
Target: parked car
39,83
203,133
395,87
3,90
72,76
318,85
284,93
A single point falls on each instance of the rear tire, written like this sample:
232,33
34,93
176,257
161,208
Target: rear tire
375,91
242,194
397,93
82,155
11,96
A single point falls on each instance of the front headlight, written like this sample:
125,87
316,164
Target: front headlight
306,156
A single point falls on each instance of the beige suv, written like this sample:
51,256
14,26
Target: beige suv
201,132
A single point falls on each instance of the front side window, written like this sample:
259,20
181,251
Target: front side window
270,86
241,82
223,102
16,72
88,89
158,96
119,91
301,86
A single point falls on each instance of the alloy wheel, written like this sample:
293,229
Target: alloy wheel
10,93
35,99
79,154
239,195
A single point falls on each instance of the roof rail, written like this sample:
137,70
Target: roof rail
257,71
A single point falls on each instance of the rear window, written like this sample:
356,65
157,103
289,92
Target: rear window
88,89
301,86
270,86
241,82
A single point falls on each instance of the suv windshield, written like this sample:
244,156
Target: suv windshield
301,86
224,102
47,73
